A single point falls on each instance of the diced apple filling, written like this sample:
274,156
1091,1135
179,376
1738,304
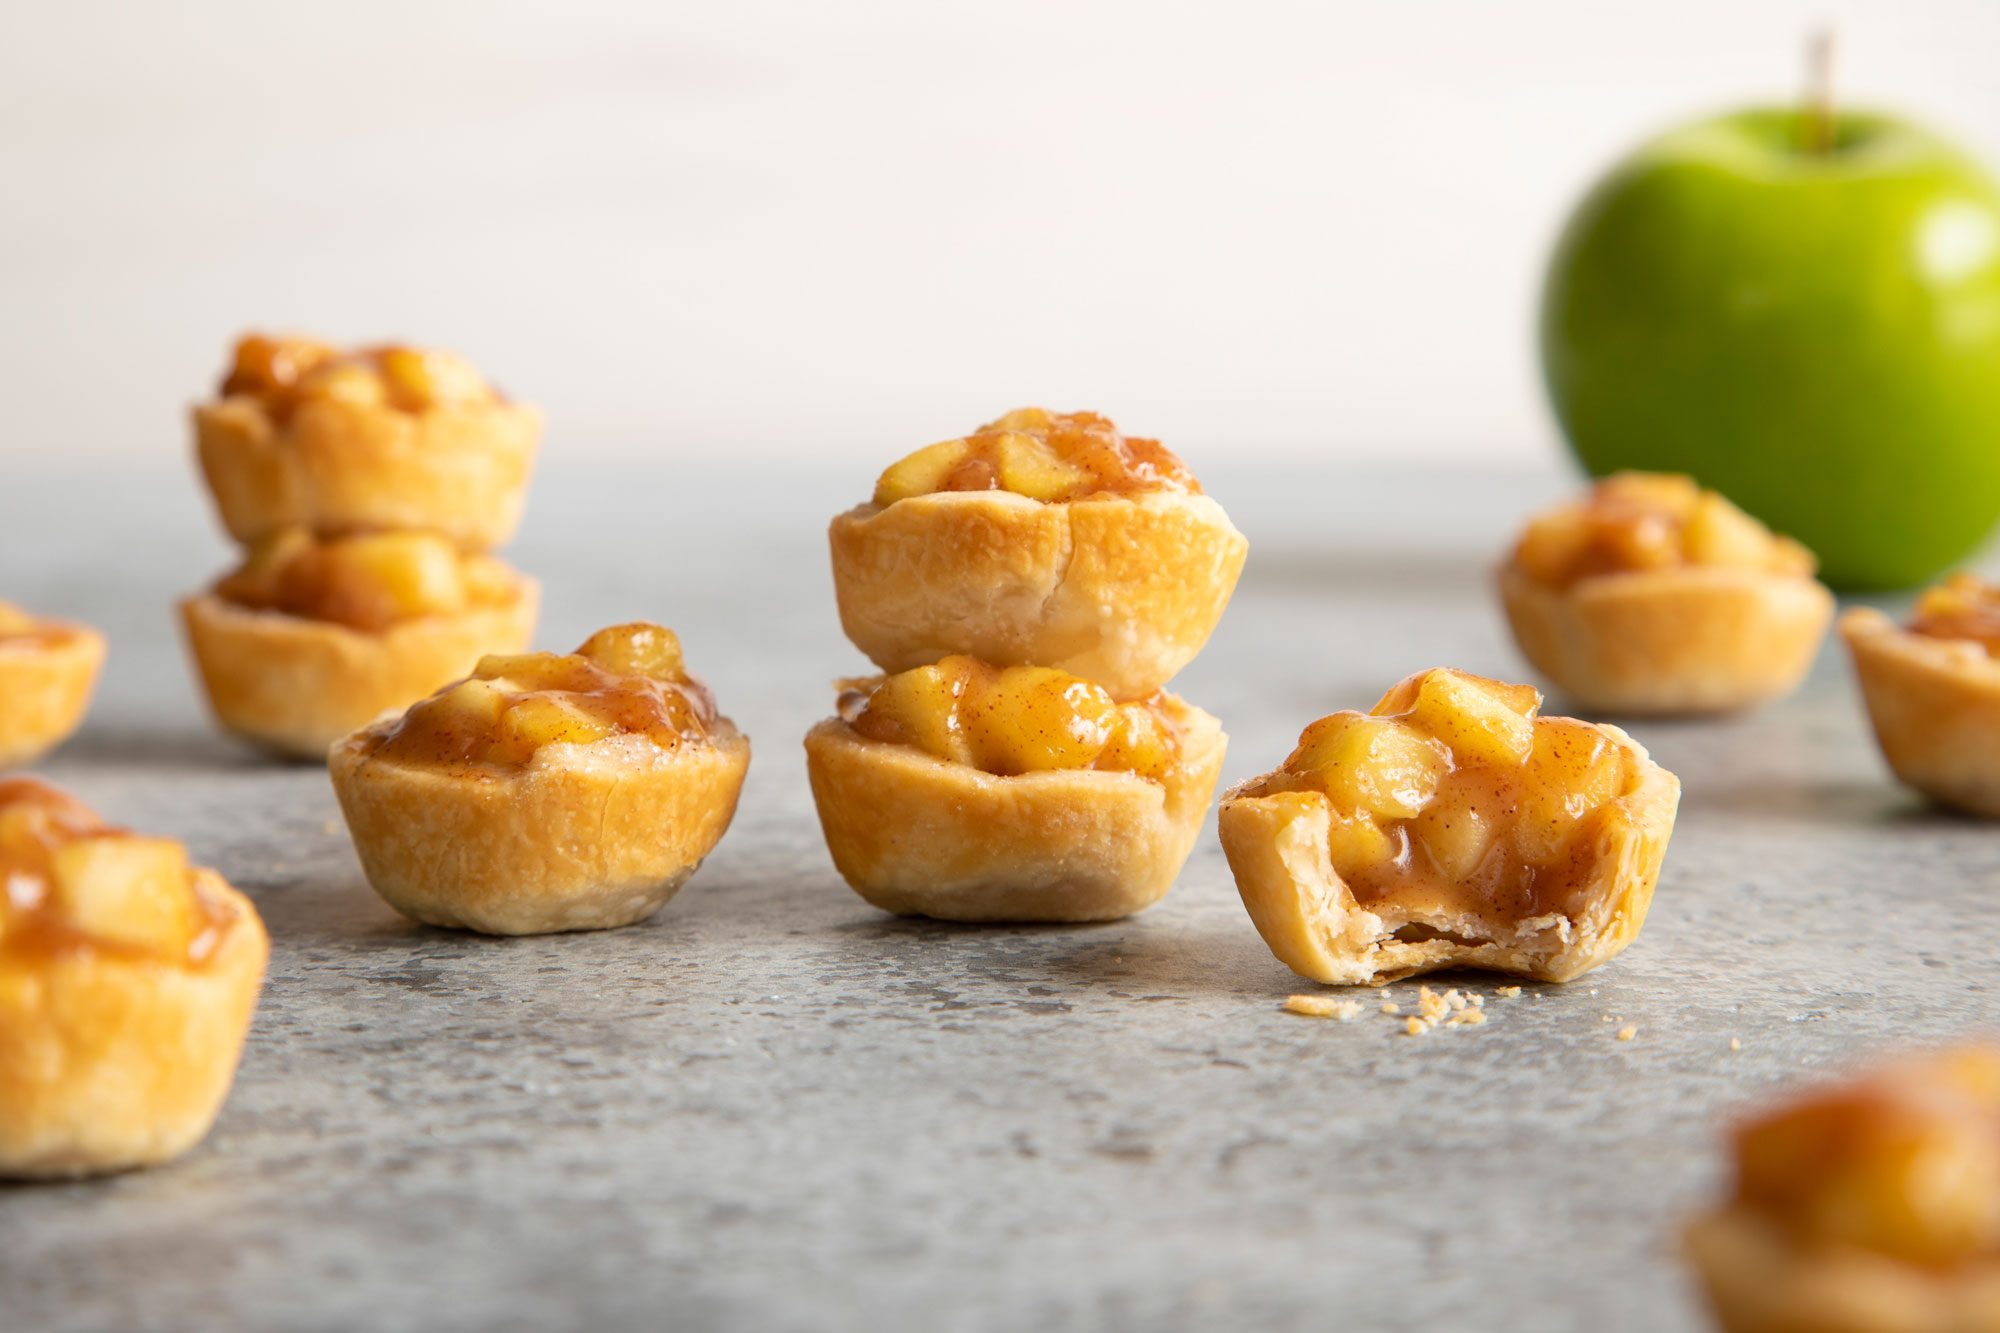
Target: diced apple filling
1904,1162
1633,522
286,373
625,680
67,877
1964,606
1048,456
368,582
1012,720
1451,798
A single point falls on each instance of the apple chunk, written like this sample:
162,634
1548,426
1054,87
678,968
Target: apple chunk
128,890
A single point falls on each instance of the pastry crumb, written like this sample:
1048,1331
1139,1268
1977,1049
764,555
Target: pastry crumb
1391,1007
1415,1027
1476,1000
1507,992
1323,1006
1735,1044
1470,1016
1432,1005
1627,1032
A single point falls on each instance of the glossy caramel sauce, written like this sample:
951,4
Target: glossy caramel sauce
1962,607
1049,456
1903,1161
1429,822
36,820
1018,719
624,681
368,582
285,374
1636,522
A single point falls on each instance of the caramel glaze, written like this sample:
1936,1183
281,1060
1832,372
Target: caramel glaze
1509,884
1962,607
434,733
37,929
1118,464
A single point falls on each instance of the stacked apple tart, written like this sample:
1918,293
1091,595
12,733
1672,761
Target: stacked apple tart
366,486
1028,591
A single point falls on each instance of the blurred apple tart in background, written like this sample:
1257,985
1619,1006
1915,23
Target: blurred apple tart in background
974,792
1933,690
48,669
127,982
1451,826
390,437
311,638
1042,538
1651,595
546,792
1871,1206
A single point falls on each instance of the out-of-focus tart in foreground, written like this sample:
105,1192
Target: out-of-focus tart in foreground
1044,539
310,639
1451,826
1871,1206
305,435
546,792
47,671
1651,595
1933,690
127,981
972,792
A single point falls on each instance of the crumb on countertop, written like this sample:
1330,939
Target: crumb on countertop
1735,1044
1323,1006
1627,1032
1507,992
1415,1027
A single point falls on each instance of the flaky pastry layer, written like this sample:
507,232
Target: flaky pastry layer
110,1061
1760,1279
1310,918
1935,707
298,685
1123,590
922,836
339,467
1674,641
46,679
583,838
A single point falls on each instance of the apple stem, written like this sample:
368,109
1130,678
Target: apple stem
1816,126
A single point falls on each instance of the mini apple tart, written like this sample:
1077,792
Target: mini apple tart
548,791
1451,826
1933,690
47,671
312,638
1868,1207
127,981
1042,538
1653,596
971,792
393,437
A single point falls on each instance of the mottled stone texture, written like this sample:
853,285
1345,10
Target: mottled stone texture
774,1108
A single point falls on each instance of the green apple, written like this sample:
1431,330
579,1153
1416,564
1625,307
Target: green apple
1815,333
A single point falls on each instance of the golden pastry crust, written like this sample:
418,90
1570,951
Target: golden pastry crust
297,685
1760,1279
922,836
583,838
46,679
1120,589
1935,707
1690,639
1277,845
339,467
109,1062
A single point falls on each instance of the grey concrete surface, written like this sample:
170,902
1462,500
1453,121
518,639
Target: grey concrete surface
774,1108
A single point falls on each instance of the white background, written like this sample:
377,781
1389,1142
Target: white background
769,229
